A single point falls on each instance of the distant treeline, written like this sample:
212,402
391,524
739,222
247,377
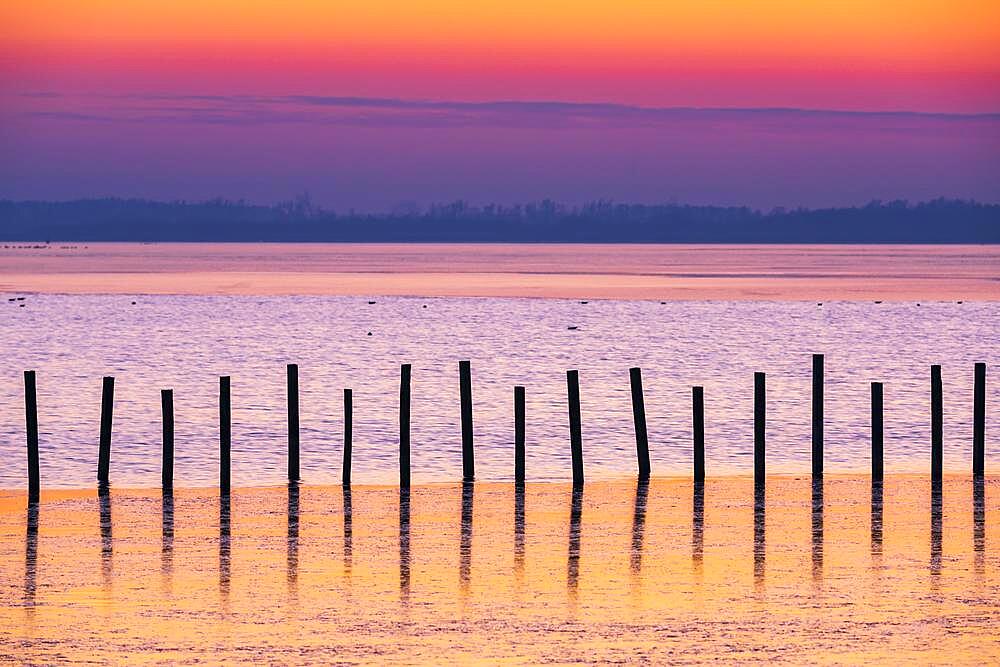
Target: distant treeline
937,221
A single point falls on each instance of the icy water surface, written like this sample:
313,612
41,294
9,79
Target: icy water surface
444,574
187,342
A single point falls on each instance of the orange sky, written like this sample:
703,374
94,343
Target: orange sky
586,49
946,34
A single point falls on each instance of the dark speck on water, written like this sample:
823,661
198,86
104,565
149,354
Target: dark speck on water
572,328
370,302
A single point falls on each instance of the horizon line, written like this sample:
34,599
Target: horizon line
522,105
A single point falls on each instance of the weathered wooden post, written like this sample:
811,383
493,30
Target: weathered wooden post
31,429
465,391
404,426
104,449
698,428
639,419
167,464
877,432
759,414
519,435
937,425
575,436
348,435
979,422
225,435
293,422
817,415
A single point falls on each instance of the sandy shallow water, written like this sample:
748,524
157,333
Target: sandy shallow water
453,575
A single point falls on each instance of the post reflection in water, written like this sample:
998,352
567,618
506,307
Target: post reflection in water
225,536
876,519
817,529
519,532
465,539
292,559
978,524
638,526
404,545
759,544
167,534
348,530
936,516
104,504
31,555
698,526
573,557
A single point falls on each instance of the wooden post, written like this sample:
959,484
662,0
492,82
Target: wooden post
575,436
293,422
639,418
937,425
404,426
698,427
348,434
979,422
465,390
877,432
519,435
31,429
759,414
817,415
104,450
167,465
225,435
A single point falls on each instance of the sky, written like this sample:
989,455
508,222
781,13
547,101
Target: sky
381,103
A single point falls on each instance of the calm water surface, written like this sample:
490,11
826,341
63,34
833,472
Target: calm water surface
185,343
448,574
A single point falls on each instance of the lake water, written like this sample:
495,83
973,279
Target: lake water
186,342
829,574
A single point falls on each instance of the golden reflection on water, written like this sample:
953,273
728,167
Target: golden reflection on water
839,570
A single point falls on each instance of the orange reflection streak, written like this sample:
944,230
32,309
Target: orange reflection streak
598,576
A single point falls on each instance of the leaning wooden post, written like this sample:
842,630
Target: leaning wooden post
817,415
293,422
404,426
104,450
575,436
519,435
31,429
979,422
759,414
877,432
348,435
167,465
937,425
698,428
465,391
639,418
225,435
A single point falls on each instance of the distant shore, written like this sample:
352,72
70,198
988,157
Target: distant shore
665,272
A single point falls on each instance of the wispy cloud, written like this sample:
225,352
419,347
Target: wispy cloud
390,112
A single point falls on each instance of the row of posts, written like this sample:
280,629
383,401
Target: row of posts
575,428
